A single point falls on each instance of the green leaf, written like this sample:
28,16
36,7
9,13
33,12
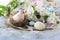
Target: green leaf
13,4
22,3
36,13
45,18
33,8
8,10
2,9
1,13
58,22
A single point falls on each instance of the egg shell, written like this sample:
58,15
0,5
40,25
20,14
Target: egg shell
39,25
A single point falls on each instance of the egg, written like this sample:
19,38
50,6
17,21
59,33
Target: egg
39,25
31,23
51,9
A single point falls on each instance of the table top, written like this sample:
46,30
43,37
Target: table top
13,34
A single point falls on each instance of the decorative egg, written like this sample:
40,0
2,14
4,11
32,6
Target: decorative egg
39,25
51,9
19,19
31,23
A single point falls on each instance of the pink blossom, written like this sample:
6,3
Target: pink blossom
37,2
40,2
33,3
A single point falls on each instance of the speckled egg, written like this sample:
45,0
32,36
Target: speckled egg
39,25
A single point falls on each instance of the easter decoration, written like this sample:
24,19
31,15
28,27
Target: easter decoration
26,14
39,25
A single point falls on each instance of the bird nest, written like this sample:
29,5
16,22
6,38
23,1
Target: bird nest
47,27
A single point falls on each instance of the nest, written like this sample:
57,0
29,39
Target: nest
48,27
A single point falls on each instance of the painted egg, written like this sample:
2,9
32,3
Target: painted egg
39,25
31,23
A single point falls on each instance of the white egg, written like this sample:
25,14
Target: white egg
52,18
39,25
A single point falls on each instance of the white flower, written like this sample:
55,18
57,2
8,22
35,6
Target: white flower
5,2
39,8
30,11
40,2
52,18
57,18
21,0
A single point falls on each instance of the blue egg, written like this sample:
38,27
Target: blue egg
51,9
31,23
